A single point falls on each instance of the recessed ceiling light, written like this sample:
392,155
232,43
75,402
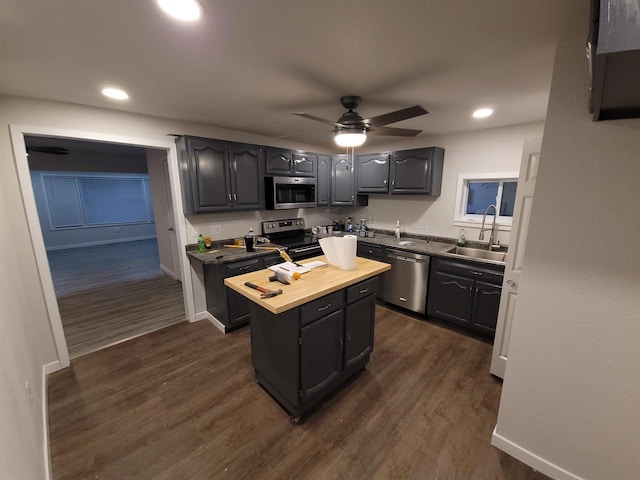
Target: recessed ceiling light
483,113
187,10
115,93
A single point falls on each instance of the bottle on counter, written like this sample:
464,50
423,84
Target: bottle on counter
397,232
201,247
248,240
461,239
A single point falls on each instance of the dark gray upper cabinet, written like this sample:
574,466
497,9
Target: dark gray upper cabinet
416,171
211,179
343,182
614,52
372,173
323,181
281,162
247,185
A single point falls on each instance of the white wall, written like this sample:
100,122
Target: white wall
486,151
571,393
21,360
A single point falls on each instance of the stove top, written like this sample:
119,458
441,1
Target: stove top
291,234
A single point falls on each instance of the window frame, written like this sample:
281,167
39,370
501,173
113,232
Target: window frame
78,176
461,218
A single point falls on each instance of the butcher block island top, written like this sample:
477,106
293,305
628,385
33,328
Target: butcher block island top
314,284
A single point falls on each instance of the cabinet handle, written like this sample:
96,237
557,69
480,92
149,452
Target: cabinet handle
402,299
348,339
352,198
341,344
511,283
322,309
473,272
364,291
393,182
229,199
451,282
244,268
384,182
235,199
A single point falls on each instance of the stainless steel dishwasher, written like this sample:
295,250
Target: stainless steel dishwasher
405,284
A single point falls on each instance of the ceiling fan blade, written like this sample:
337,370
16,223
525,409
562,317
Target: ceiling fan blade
397,116
397,132
318,119
51,150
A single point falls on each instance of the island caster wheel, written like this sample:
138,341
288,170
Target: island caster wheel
294,420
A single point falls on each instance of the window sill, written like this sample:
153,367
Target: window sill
470,223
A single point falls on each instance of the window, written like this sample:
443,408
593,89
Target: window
79,201
477,192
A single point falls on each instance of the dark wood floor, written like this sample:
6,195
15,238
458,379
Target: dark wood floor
110,293
181,403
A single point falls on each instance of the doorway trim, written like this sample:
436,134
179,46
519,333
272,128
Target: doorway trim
18,133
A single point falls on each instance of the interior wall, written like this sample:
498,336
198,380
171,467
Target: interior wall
496,150
572,386
21,418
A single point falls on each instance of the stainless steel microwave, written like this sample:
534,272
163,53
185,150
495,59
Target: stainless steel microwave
289,192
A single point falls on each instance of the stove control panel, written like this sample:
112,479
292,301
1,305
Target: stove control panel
277,226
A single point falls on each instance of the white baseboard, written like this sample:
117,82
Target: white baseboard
534,461
99,242
46,370
216,323
168,272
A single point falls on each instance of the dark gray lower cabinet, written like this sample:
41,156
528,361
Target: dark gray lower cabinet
373,252
228,306
301,355
465,293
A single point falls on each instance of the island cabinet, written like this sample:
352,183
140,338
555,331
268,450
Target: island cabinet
343,182
374,252
323,181
465,293
319,332
281,162
372,173
218,175
417,171
302,355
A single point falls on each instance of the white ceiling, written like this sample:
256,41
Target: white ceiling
247,64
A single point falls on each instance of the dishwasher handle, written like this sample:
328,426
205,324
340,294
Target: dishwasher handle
407,257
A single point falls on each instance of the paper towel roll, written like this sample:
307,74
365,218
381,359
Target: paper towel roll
340,251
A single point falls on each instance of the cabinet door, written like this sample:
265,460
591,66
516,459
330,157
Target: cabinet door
210,182
342,180
247,176
359,325
239,305
321,353
372,173
278,162
450,297
485,306
303,165
323,180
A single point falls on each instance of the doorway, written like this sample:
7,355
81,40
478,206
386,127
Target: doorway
97,206
18,135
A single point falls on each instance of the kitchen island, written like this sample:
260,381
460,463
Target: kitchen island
313,337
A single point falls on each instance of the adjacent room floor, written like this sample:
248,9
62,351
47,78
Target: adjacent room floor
181,403
110,293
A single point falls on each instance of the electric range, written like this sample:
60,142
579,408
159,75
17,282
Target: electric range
291,234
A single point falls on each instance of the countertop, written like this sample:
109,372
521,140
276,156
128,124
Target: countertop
220,254
428,246
311,285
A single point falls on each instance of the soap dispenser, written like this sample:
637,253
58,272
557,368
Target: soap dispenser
461,239
397,232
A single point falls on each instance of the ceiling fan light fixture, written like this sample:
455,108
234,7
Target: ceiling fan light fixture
351,137
115,93
186,10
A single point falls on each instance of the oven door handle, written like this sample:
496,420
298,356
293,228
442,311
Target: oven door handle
304,249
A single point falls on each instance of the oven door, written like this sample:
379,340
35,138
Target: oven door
290,192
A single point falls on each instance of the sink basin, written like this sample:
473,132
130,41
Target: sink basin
478,253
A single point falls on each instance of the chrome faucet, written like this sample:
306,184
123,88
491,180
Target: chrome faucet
492,237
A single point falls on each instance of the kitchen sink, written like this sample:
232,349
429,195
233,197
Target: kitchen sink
478,253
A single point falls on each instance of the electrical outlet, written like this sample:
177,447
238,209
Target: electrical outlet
423,224
216,229
372,221
27,386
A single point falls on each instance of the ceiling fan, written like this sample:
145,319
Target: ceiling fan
51,150
351,129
